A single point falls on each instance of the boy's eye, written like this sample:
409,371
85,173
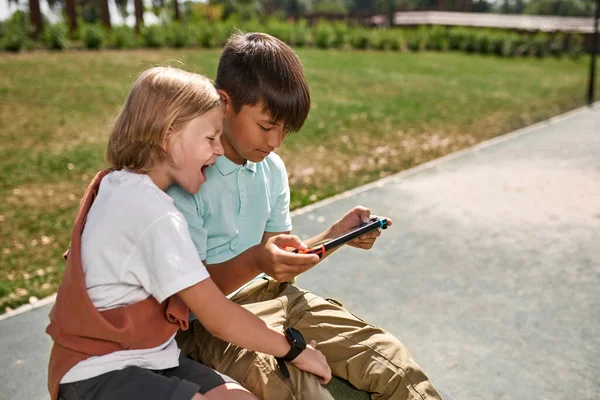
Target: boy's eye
263,128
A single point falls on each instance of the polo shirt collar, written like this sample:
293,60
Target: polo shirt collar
226,166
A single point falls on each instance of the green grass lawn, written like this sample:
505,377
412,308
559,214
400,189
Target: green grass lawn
373,114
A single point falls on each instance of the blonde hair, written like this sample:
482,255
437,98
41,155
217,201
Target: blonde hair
161,97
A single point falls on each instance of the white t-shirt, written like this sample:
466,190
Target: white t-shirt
135,244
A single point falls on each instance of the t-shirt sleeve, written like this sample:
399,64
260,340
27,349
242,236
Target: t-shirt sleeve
192,208
170,262
280,220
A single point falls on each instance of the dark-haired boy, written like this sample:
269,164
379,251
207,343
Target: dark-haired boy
240,222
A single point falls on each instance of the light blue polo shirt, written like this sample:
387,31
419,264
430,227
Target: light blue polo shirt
235,206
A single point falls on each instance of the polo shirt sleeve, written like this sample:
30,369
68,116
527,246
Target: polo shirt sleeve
169,261
192,208
280,219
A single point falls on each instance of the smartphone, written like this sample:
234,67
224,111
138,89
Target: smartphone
321,247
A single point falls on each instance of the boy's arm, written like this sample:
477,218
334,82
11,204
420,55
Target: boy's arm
350,220
353,218
270,256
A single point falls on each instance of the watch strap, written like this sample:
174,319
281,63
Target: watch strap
284,369
292,354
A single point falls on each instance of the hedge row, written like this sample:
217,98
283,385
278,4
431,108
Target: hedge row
15,33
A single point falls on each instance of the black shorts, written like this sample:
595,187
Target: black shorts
179,383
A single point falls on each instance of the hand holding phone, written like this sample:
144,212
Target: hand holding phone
322,247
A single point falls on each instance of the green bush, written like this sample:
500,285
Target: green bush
456,38
252,25
515,45
484,42
14,32
281,30
575,45
557,44
436,38
341,34
324,35
415,41
302,33
211,36
522,45
122,37
13,40
470,43
178,35
379,39
92,36
539,45
220,33
396,39
55,36
204,36
153,36
497,40
360,38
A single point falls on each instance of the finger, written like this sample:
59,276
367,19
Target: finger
370,235
364,240
313,344
296,259
327,376
367,238
389,222
284,241
363,246
362,212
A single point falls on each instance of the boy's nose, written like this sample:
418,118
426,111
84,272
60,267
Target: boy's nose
275,138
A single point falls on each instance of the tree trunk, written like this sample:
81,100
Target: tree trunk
176,14
294,9
35,16
71,15
139,15
270,7
104,13
391,12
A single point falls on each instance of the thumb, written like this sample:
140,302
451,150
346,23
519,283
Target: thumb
313,344
363,213
284,241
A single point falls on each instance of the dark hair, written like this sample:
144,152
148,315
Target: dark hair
256,67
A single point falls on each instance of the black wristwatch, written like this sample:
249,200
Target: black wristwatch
296,341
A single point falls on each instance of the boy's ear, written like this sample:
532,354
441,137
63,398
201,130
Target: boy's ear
226,99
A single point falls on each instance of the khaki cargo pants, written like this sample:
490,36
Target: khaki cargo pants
368,357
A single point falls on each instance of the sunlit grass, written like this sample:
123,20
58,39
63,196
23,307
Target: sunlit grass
373,114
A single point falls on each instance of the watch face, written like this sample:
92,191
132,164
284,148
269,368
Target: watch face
296,337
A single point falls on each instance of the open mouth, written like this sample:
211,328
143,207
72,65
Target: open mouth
203,170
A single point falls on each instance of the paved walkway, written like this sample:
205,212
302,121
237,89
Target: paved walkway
490,274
